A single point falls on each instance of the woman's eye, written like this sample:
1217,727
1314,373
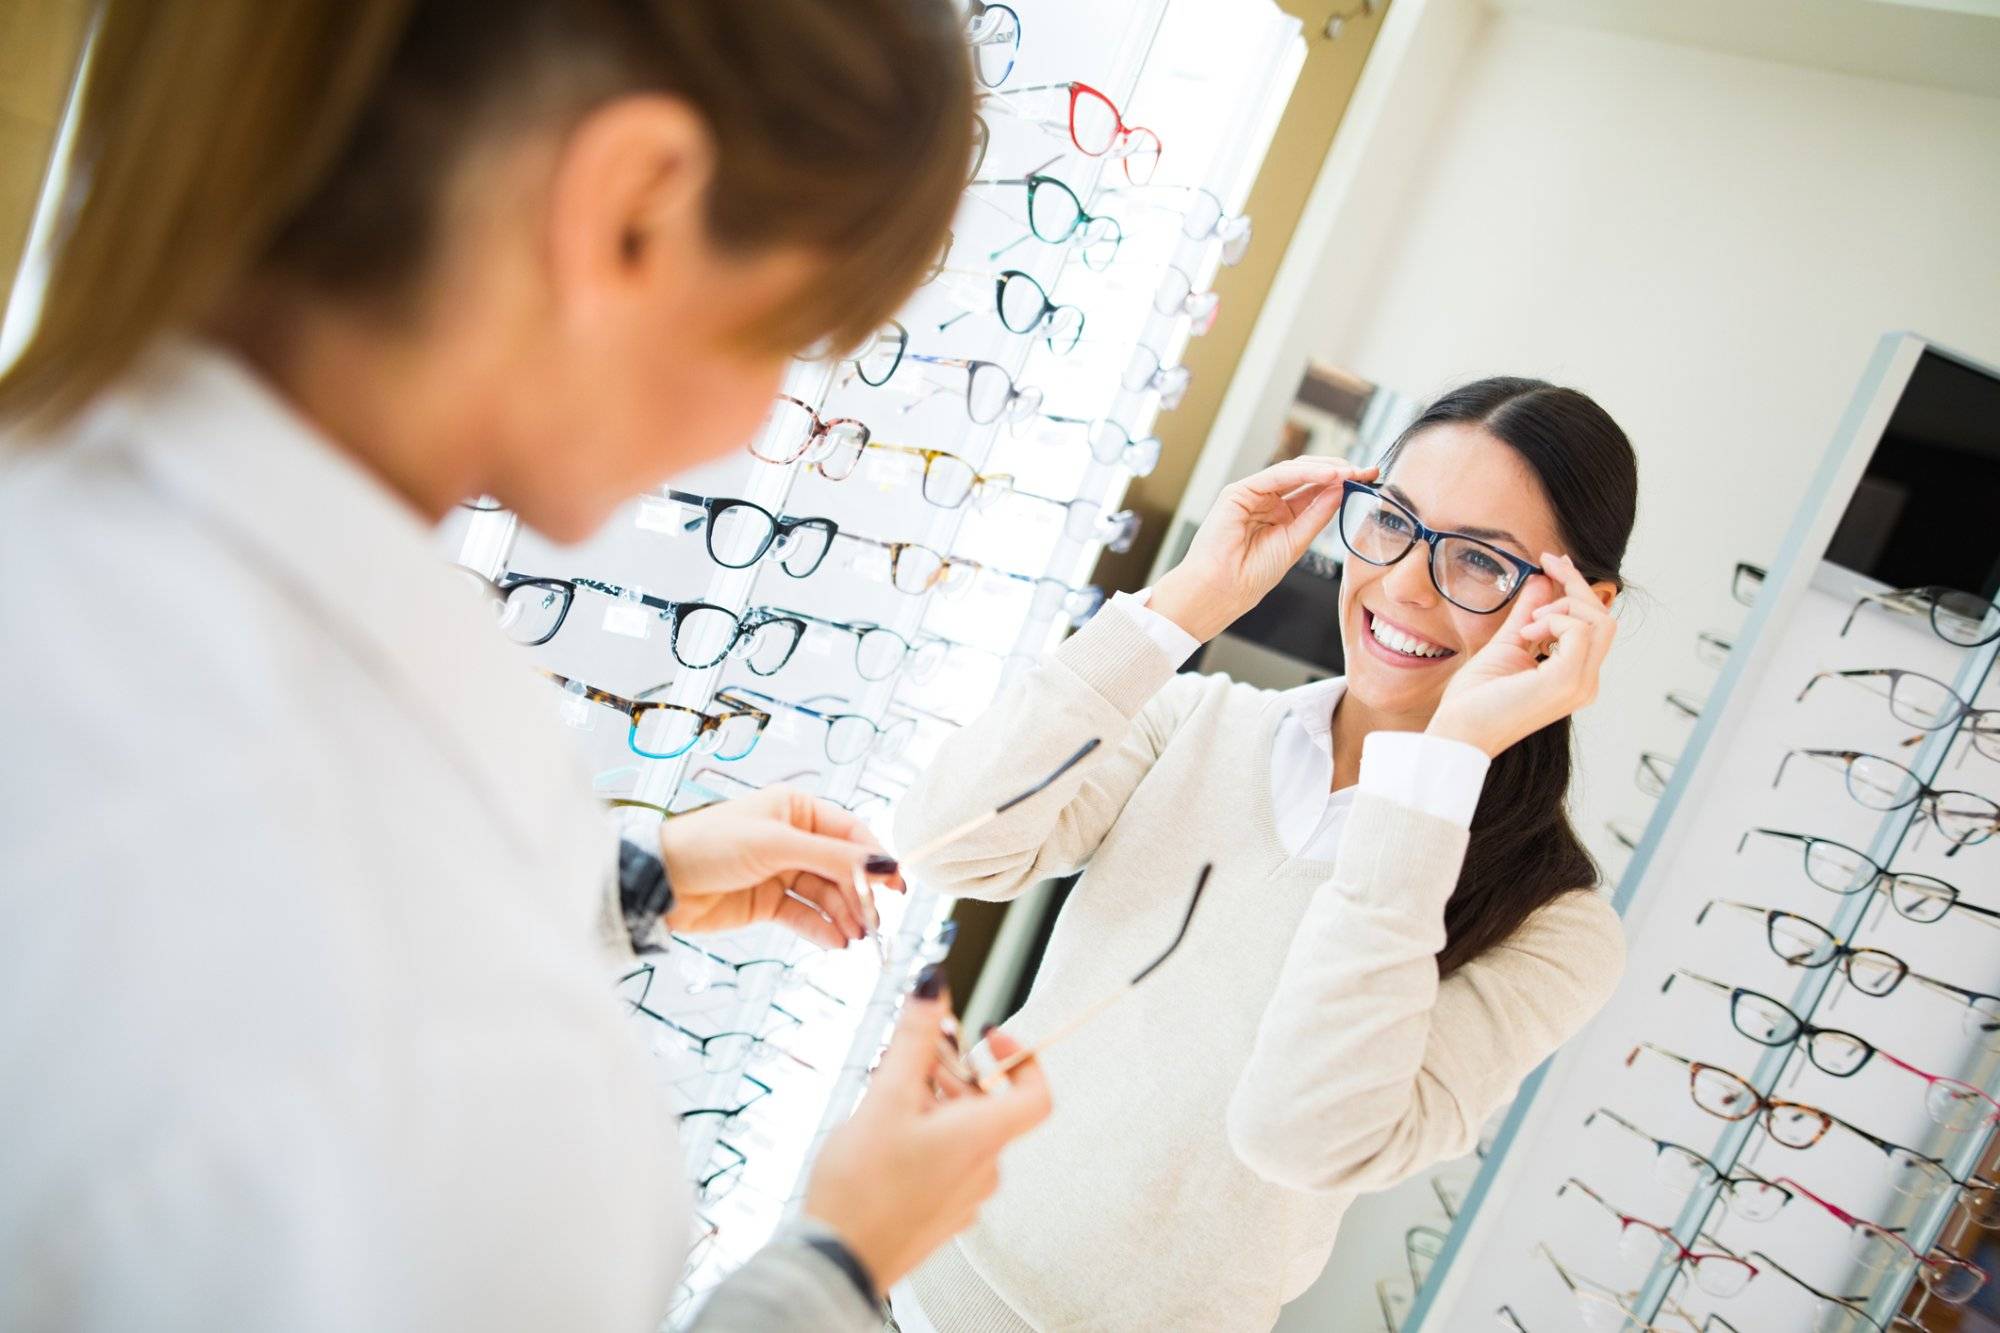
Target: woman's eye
1391,522
1483,563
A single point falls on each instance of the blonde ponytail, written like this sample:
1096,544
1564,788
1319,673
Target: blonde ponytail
202,125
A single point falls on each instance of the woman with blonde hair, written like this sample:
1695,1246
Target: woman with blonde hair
309,925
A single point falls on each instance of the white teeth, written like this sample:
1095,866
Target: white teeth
1391,637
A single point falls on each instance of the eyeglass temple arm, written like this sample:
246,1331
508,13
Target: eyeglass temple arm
1000,1070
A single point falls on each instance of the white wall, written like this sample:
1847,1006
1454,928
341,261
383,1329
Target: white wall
1711,245
1708,244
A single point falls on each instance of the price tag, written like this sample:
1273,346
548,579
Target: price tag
870,562
575,709
784,725
669,518
817,644
629,616
887,470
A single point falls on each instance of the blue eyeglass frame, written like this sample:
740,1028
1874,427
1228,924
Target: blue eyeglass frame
1430,537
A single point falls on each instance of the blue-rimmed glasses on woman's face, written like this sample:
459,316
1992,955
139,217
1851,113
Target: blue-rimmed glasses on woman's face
1471,574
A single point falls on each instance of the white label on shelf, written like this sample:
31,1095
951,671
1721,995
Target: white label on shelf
669,518
817,644
634,621
784,725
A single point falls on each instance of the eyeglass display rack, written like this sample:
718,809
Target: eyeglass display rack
1209,78
1721,787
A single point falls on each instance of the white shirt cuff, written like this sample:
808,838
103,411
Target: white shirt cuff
1174,641
1433,774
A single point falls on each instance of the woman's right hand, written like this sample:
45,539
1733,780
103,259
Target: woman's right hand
1258,529
911,1167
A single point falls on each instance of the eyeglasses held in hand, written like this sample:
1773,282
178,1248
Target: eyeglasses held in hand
741,533
1719,1272
793,432
1022,305
668,731
880,652
1962,618
987,1079
1057,217
1378,525
948,480
916,569
993,31
1094,124
1919,701
849,736
1683,1170
700,634
1112,445
990,392
1965,818
1838,868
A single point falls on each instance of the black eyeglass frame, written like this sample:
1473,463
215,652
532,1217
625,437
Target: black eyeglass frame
1433,538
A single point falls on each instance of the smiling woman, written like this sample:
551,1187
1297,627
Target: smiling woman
1405,927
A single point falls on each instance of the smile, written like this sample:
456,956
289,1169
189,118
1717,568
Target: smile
1400,641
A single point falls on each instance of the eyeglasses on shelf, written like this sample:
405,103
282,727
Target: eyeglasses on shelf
1712,649
993,31
740,533
1093,123
990,392
1801,942
1053,596
1020,302
1831,1313
1924,703
876,361
1601,1307
1770,1022
1838,868
1683,1170
1377,525
1719,1271
532,608
1112,445
1144,372
1174,294
1878,1248
729,1116
1684,706
948,481
668,731
719,1052
1655,771
1057,217
1730,1096
1202,215
880,652
849,736
1962,618
730,972
916,569
1964,818
793,432
1086,521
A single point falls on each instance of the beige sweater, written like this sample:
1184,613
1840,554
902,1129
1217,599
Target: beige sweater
1211,1128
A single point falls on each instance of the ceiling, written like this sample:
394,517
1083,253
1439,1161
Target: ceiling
1949,44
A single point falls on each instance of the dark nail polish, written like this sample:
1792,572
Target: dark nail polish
987,1031
947,935
880,865
930,982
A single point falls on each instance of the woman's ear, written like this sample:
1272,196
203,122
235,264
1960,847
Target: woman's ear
1606,590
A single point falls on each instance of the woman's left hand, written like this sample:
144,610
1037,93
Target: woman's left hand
775,855
1504,692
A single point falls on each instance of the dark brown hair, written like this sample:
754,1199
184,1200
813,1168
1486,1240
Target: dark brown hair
1523,852
313,141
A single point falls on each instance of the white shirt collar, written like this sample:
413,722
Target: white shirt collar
1311,707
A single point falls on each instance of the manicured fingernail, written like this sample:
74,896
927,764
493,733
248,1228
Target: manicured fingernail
880,865
930,982
987,1030
949,1027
